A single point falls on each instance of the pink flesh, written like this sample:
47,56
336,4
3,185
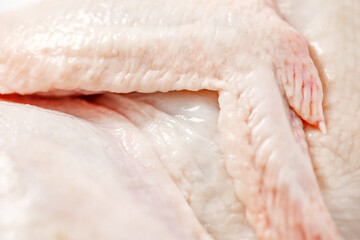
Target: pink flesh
122,52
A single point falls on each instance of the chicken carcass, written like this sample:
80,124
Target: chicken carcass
242,50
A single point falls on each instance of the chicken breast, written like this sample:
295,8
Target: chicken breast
85,178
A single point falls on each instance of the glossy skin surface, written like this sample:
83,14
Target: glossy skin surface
259,65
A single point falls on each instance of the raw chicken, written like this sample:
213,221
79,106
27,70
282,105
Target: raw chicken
242,50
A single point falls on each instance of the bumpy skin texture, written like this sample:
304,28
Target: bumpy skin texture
227,46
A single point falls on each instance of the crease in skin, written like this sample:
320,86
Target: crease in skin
223,40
